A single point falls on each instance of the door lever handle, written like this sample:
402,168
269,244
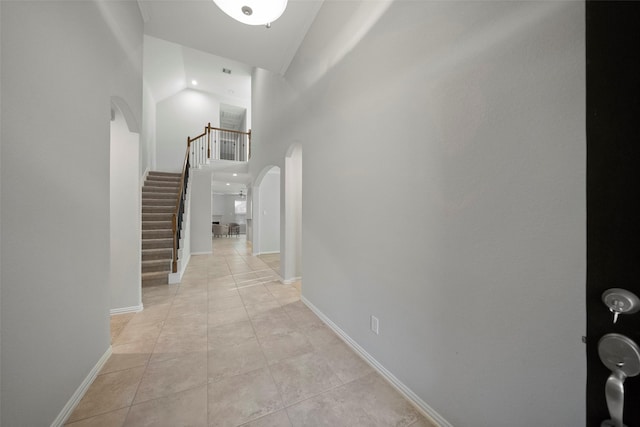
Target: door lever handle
614,391
622,356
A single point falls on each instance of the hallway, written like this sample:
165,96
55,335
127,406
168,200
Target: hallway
232,346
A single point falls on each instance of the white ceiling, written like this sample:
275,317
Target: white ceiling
201,25
170,68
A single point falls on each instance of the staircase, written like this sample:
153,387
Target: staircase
159,195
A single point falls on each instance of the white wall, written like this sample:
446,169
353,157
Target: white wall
61,64
148,132
268,212
223,210
125,216
200,221
183,115
471,115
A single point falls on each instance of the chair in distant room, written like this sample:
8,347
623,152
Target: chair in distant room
234,229
219,230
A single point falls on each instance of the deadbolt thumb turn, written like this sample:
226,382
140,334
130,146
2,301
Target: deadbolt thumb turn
620,301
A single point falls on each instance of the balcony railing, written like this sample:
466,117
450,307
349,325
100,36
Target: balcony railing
219,144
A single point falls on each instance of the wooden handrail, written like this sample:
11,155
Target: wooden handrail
228,130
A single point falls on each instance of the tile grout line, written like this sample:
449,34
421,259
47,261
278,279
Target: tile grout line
251,322
146,366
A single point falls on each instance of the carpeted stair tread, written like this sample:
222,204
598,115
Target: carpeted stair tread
156,265
157,254
155,278
157,216
168,174
168,184
149,244
158,202
157,209
156,225
157,234
159,195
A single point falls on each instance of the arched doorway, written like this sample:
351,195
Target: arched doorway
124,210
266,212
291,256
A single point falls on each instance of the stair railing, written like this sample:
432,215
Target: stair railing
176,219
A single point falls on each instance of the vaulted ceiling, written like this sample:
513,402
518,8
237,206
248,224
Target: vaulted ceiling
201,25
193,40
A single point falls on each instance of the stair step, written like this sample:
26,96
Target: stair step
155,278
156,225
158,202
157,209
169,184
165,174
157,234
157,216
157,254
160,265
148,244
165,177
154,183
158,193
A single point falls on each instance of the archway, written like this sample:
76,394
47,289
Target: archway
266,212
291,257
125,250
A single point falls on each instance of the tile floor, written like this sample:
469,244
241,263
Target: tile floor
232,346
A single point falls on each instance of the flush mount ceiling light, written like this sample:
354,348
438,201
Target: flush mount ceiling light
253,12
194,82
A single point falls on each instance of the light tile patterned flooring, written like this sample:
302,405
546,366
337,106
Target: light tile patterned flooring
232,346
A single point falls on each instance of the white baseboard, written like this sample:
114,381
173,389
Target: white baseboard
292,280
123,310
80,391
420,404
266,253
202,253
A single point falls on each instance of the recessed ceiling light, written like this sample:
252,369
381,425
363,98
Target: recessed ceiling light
194,82
235,174
228,183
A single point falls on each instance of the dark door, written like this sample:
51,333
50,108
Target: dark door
613,188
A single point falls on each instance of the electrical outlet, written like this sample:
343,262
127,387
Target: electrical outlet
375,324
